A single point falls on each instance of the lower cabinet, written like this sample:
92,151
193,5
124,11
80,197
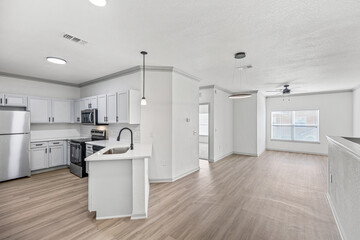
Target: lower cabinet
47,154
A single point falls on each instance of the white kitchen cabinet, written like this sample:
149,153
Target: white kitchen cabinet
68,153
77,112
89,103
62,111
111,108
128,107
40,109
56,156
107,108
13,100
38,158
102,108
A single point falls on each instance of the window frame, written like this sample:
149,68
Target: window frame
293,126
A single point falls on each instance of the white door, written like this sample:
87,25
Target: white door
15,100
77,111
40,109
111,108
2,101
61,111
56,156
123,107
101,109
38,158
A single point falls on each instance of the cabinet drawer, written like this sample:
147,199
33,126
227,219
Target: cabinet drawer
38,145
56,143
89,147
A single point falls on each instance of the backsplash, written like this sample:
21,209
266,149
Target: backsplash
113,130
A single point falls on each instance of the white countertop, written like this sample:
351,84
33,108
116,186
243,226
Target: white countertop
57,139
140,150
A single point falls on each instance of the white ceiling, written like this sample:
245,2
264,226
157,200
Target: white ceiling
315,43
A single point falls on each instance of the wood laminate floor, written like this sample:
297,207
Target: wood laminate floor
276,196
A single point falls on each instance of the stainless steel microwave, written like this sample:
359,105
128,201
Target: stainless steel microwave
89,116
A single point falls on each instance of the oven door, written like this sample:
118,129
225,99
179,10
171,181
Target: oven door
76,153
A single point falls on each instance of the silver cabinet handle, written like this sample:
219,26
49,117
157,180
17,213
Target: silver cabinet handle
45,150
0,100
53,119
55,142
6,101
117,118
49,150
38,144
49,119
104,119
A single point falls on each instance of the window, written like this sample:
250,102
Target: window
300,126
203,124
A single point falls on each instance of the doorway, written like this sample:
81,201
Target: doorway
204,127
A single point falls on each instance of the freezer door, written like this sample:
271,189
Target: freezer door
13,122
14,156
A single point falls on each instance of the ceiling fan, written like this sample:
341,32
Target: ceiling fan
286,90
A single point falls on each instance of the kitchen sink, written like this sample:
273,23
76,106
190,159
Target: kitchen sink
117,150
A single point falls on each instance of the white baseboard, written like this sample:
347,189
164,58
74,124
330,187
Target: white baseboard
294,151
246,154
138,216
185,174
111,217
160,180
222,157
48,169
338,224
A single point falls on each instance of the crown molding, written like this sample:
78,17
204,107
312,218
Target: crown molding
310,93
25,77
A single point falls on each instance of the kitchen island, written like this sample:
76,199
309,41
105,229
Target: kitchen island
343,184
118,181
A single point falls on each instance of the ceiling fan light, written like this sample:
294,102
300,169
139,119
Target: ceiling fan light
99,3
240,96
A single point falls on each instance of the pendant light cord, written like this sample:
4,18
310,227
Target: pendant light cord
143,74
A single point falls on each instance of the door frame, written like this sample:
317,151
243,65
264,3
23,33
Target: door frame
209,133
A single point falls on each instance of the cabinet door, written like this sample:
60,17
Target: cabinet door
77,111
38,158
93,102
2,101
40,109
56,156
111,108
134,107
15,100
102,109
123,107
68,153
83,104
61,111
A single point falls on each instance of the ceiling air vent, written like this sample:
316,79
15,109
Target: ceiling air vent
74,39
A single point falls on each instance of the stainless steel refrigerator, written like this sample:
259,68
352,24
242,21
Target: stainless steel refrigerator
14,144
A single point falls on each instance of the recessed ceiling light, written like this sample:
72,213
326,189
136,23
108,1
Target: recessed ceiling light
99,3
56,60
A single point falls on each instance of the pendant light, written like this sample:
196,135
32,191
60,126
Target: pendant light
240,55
143,99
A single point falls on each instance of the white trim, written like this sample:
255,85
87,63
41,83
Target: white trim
34,172
30,78
293,151
160,180
185,174
138,216
246,154
111,217
338,224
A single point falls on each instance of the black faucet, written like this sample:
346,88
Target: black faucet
132,140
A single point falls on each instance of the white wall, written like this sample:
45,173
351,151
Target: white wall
336,119
356,111
261,123
43,89
223,124
207,96
245,125
185,125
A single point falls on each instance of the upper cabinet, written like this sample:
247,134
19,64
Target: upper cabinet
40,110
62,111
128,107
13,100
77,111
89,103
45,110
107,110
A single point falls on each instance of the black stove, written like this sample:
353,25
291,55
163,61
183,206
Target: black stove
78,152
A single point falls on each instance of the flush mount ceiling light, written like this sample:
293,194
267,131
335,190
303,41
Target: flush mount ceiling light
99,3
143,99
56,60
237,56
